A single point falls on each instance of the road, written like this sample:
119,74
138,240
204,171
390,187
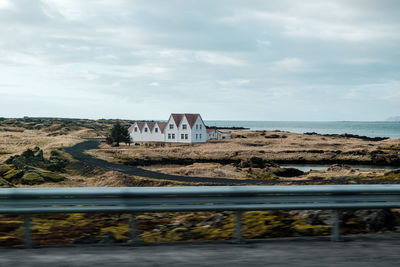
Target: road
77,152
369,250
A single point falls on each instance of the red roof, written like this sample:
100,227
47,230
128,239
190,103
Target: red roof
140,124
151,125
130,129
177,118
191,118
162,126
210,130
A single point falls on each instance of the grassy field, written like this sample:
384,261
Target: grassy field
227,158
269,145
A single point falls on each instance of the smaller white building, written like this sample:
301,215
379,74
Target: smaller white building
218,134
180,127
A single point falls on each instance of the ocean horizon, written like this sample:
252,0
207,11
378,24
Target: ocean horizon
389,129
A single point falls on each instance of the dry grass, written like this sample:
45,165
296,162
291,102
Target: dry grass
200,170
292,147
12,143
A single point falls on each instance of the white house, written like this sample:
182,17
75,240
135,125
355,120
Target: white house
182,128
218,134
148,131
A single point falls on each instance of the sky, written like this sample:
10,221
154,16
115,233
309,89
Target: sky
305,60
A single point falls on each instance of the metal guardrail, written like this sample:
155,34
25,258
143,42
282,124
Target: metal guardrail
239,199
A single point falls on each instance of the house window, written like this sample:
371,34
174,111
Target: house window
135,129
173,136
197,127
200,126
196,136
186,136
200,136
169,136
182,136
171,126
145,129
156,130
184,126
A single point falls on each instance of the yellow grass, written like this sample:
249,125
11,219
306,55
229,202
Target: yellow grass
293,147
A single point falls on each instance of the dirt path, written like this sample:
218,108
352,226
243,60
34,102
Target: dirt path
77,152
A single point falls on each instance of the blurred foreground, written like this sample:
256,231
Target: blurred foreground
366,250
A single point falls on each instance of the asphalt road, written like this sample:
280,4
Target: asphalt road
371,250
77,152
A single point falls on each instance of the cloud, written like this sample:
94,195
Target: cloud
291,64
228,59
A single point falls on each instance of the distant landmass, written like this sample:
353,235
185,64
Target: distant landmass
395,118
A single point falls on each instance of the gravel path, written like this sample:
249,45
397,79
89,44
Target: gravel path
372,250
77,152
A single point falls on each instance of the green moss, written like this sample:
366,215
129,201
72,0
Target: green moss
4,183
260,224
32,178
52,177
5,168
13,174
120,231
303,228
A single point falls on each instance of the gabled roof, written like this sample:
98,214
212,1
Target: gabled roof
151,124
140,124
162,126
177,118
191,118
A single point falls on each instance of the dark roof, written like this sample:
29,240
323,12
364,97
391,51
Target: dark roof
191,118
177,118
151,125
140,124
162,126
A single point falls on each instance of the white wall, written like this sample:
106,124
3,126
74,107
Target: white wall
199,131
149,136
171,132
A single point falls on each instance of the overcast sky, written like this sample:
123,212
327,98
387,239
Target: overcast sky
228,60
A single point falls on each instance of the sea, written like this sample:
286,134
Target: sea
389,129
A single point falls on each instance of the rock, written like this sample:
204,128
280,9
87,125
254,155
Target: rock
87,239
393,172
316,217
56,162
52,177
28,157
338,167
256,162
214,220
5,168
32,178
108,238
4,183
287,172
377,220
13,175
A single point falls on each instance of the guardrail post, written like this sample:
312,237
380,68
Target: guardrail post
238,238
336,222
28,231
135,240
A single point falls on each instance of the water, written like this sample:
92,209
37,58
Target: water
371,129
316,167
